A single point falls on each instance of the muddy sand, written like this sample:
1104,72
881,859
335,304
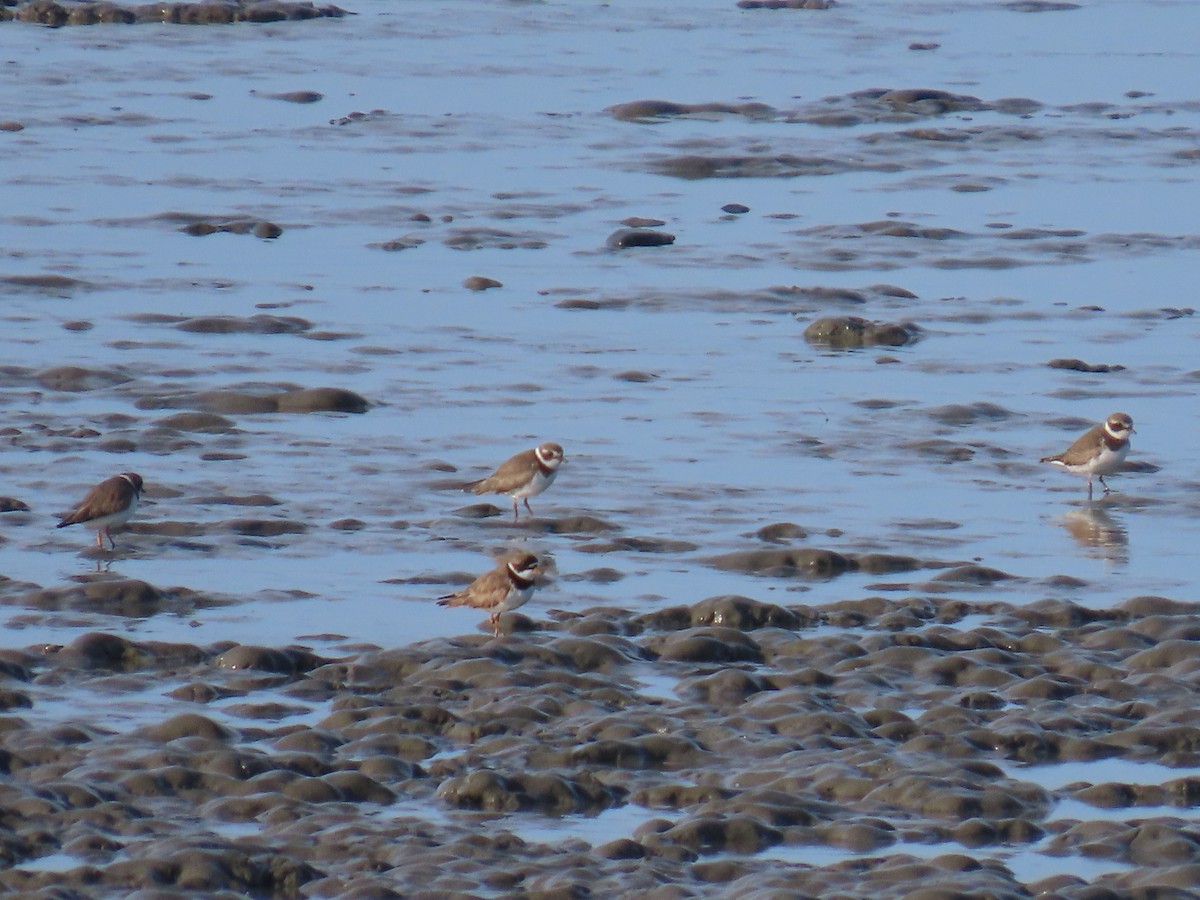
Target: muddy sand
744,738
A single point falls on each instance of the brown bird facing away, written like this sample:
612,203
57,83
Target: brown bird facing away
523,476
504,588
107,505
1099,452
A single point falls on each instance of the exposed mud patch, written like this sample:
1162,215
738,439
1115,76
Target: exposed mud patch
56,15
787,732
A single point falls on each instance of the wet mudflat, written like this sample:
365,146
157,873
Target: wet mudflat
804,293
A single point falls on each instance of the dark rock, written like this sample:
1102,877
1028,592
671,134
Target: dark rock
844,332
624,238
322,400
1078,365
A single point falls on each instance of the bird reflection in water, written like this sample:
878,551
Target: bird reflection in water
1098,533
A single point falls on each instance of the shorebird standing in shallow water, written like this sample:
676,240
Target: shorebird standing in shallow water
506,587
107,505
523,476
1099,452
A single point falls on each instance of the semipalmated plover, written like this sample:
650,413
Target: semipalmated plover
107,505
1099,452
506,587
525,475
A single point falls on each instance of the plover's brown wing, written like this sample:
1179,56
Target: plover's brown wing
484,592
512,474
1082,450
108,497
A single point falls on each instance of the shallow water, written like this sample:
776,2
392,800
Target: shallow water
691,407
1125,771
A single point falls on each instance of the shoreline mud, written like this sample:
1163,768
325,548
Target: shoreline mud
738,731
